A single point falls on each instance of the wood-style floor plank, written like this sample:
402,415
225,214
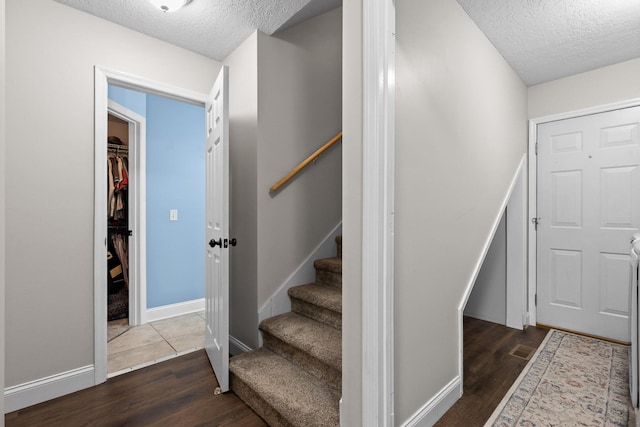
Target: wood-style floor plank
489,370
178,392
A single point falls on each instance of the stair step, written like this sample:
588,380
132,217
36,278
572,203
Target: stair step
318,302
329,271
312,345
282,393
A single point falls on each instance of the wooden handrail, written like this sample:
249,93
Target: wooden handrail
305,163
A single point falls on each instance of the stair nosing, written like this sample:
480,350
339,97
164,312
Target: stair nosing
314,349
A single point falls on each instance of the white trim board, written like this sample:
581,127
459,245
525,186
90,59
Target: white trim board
279,302
237,347
38,391
378,177
173,310
103,78
533,168
435,408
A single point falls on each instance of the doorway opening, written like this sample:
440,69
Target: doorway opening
143,257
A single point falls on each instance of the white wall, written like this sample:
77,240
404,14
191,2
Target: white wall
461,130
488,300
51,53
243,157
351,413
619,82
299,109
2,199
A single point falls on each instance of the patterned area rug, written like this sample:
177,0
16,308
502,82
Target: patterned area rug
571,381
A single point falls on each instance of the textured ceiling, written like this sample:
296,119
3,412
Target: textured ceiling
210,28
548,39
542,39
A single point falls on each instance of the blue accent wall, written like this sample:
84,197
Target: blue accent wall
130,99
175,180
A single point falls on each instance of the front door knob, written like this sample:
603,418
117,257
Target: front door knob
213,243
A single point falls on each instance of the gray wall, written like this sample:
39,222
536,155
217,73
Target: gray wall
243,156
51,53
285,93
488,300
299,109
459,105
2,200
352,214
619,82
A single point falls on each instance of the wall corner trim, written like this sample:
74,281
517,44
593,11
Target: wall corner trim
33,392
437,406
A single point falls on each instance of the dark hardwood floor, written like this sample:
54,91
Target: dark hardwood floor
489,370
178,392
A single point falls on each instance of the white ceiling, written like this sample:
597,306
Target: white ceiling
548,39
210,28
542,39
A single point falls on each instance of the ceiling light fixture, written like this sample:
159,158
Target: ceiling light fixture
169,5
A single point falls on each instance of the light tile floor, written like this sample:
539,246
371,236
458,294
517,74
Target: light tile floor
154,342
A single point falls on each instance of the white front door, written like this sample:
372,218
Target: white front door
217,229
588,208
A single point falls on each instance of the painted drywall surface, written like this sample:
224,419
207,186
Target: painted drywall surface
299,109
2,198
50,174
175,181
461,129
618,82
131,99
351,410
243,156
488,298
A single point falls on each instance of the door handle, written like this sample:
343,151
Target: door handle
231,242
213,243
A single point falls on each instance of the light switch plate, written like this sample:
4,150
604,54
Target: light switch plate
173,215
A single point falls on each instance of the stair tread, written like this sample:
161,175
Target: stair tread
315,338
333,264
298,396
323,296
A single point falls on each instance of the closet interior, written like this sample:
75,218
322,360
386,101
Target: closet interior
118,230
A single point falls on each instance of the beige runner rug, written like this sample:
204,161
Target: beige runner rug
571,381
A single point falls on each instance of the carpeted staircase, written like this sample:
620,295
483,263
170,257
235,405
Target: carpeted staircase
295,379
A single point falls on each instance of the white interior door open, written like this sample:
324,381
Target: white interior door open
217,229
588,204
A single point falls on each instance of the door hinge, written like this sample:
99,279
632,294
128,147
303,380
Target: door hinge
536,148
535,222
535,300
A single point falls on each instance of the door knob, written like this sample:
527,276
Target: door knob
231,242
213,243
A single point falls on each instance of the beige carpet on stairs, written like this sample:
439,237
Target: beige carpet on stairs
296,377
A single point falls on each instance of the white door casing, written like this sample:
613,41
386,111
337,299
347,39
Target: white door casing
137,212
217,229
588,205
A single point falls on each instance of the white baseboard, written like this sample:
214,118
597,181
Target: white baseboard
434,409
33,392
172,310
237,347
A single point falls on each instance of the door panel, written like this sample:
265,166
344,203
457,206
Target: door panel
589,206
217,229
